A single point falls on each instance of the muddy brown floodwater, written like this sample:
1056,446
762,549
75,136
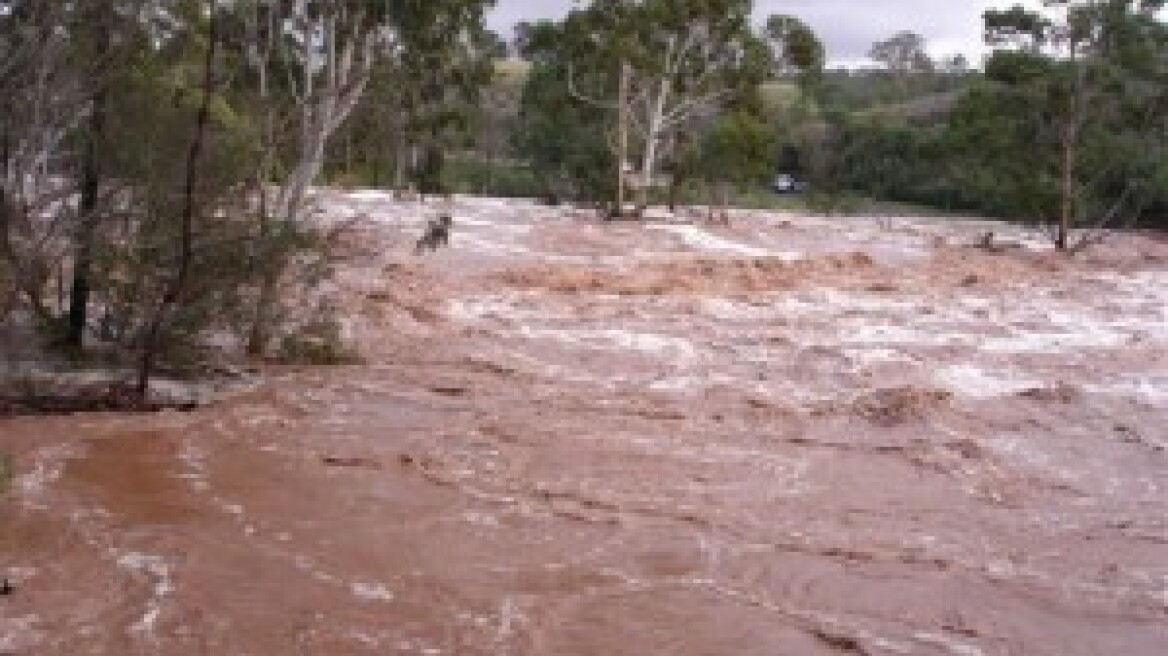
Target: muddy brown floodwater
792,435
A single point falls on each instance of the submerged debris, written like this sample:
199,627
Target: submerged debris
353,462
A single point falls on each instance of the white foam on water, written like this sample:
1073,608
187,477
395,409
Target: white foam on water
1088,335
875,303
488,246
561,373
480,519
370,195
195,460
954,646
494,226
492,307
978,383
1151,389
726,309
510,618
887,334
373,592
19,635
616,339
689,382
161,571
48,465
697,238
866,357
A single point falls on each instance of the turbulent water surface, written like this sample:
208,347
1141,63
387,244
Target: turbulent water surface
790,435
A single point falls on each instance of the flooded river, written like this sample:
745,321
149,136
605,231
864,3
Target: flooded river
792,435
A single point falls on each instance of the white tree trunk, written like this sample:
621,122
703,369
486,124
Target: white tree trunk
654,131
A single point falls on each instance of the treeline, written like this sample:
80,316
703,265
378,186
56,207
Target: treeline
1066,126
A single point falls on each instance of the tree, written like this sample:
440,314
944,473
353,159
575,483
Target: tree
129,194
661,63
569,145
903,56
65,63
101,34
43,100
311,61
177,288
1090,79
795,49
444,60
739,148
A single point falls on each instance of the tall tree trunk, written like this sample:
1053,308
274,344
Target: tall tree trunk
399,166
648,166
79,293
288,210
675,185
653,135
178,286
1066,213
257,341
1070,137
622,154
260,334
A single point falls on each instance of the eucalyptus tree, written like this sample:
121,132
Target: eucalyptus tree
796,50
904,61
902,54
42,103
569,145
670,61
110,40
434,84
1087,84
309,63
62,65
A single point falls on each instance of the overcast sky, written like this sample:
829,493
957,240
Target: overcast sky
849,27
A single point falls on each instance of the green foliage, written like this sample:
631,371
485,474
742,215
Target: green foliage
563,140
427,100
832,202
796,51
1000,147
739,148
1080,100
688,62
165,130
500,179
754,196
